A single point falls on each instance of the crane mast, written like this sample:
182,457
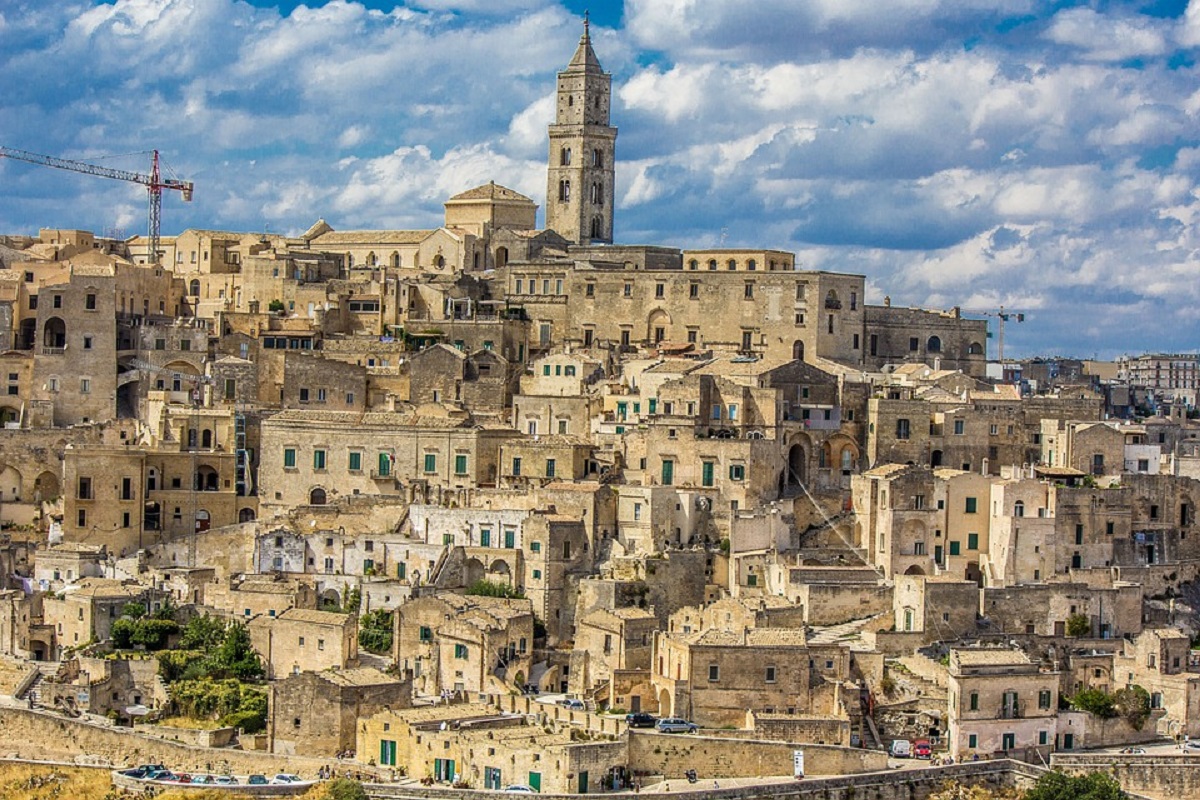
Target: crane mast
154,183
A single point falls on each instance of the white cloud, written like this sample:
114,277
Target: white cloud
1104,37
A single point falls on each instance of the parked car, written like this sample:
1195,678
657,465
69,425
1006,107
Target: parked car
1134,751
640,720
226,780
1192,744
142,770
286,777
257,780
922,749
520,788
901,748
573,704
160,775
674,725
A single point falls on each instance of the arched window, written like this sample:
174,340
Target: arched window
975,349
194,288
712,263
597,228
371,261
597,193
732,265
847,460
564,190
751,265
831,300
693,264
564,157
206,438
349,260
570,100
316,497
934,345
597,156
1019,509
395,259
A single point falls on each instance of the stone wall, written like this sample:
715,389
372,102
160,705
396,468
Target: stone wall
915,784
672,754
1161,777
36,734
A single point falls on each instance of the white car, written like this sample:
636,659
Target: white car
286,777
1192,744
520,788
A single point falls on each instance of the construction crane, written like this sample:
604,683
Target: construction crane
1001,315
154,183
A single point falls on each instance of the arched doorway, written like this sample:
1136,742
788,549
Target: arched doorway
203,521
317,497
46,487
10,484
54,334
473,571
658,326
666,708
207,479
797,463
798,350
246,515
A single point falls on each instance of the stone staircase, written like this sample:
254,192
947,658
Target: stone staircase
29,690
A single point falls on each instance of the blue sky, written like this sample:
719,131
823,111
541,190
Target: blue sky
1043,156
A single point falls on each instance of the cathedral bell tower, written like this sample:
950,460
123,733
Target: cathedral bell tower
579,180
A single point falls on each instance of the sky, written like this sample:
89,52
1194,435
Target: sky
1041,156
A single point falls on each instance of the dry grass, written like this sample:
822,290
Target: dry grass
187,723
45,782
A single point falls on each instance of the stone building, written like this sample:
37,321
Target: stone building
85,611
1000,703
1162,662
317,713
458,643
713,677
610,641
303,640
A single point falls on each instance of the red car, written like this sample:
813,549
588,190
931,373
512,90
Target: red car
921,749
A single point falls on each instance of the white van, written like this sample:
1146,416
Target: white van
901,749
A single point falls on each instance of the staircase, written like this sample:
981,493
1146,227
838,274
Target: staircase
39,671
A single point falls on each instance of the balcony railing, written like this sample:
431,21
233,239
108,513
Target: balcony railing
1011,711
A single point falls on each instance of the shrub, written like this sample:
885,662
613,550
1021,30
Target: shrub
1095,701
1093,786
1133,704
122,632
1078,625
346,789
375,632
485,588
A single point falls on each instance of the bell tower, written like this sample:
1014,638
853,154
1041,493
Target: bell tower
579,177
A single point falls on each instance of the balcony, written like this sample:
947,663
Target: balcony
53,351
386,475
1011,711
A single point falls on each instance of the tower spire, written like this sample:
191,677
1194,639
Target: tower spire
586,25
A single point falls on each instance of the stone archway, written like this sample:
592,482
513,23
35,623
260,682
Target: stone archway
914,570
46,487
658,326
666,706
798,350
246,515
317,497
11,484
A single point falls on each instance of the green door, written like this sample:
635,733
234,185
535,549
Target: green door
707,474
668,472
535,781
583,783
385,465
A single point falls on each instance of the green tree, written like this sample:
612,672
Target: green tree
133,610
1092,786
375,632
275,306
1133,704
353,601
236,657
1094,701
121,633
152,633
1078,625
202,633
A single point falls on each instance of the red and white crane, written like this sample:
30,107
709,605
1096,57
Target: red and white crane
154,183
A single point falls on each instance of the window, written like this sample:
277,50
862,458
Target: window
659,289
516,466
551,467
972,741
535,547
89,302
485,537
737,472
714,672
85,385
960,427
318,459
289,458
974,701
707,473
355,461
627,290
87,345
425,634
748,291
1044,699
693,290
971,505
902,429
430,462
972,541
460,464
85,489
460,651
770,676
1043,737
954,548
303,394
668,472
81,518
914,344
